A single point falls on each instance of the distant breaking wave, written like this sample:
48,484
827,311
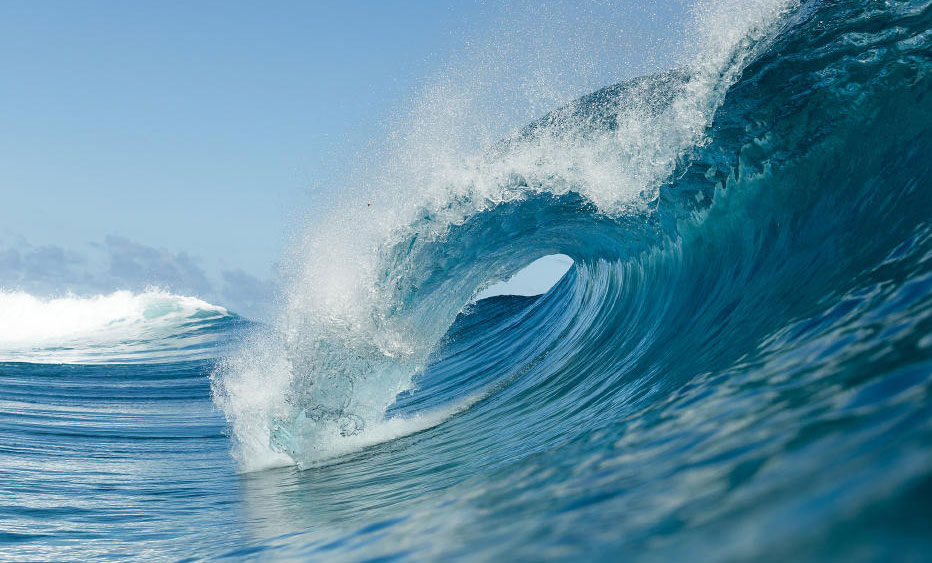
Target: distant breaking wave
119,327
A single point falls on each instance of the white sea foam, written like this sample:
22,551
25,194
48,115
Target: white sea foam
358,319
335,444
441,164
120,326
328,443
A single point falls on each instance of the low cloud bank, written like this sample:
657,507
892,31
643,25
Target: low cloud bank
120,263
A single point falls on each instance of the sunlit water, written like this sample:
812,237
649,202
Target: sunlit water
738,365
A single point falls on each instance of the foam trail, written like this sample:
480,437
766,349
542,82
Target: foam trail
333,444
117,327
252,402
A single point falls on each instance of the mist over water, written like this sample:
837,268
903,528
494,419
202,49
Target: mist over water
375,287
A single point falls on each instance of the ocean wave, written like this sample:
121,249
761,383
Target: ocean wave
378,284
737,364
726,162
118,327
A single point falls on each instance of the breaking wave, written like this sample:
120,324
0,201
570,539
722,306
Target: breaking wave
119,327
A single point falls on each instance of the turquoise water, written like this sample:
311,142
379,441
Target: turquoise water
737,367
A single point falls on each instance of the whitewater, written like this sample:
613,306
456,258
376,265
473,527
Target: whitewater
737,364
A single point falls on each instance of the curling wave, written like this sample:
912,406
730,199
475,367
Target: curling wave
712,213
378,284
738,364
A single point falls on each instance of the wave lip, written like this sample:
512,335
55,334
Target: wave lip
374,285
119,327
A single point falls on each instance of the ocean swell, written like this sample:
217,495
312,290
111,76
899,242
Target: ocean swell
119,327
710,211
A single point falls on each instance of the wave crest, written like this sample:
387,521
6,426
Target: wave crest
118,327
378,282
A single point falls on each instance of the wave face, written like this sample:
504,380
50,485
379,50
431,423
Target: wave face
737,365
742,347
381,280
742,350
119,327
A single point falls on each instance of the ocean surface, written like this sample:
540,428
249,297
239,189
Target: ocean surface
738,365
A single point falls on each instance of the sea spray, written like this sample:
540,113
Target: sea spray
120,326
375,283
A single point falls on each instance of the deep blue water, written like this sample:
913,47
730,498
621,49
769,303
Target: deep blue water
742,369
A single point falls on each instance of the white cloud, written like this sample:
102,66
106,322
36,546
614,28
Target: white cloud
119,263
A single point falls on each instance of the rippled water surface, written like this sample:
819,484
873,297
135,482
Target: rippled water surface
737,366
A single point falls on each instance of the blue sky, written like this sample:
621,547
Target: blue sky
182,142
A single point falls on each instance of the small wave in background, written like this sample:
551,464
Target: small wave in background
120,327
